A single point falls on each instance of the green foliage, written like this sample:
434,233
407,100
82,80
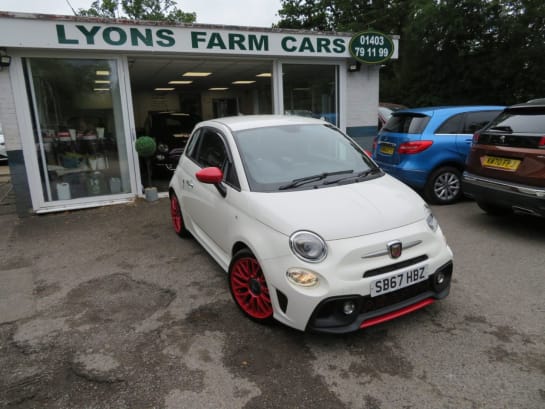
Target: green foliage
451,51
154,10
145,146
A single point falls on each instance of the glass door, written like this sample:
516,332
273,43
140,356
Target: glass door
80,129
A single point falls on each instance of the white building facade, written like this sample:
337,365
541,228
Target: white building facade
77,93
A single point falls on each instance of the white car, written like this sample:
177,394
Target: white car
309,229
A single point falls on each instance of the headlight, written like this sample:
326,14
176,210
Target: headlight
163,148
431,220
302,277
308,246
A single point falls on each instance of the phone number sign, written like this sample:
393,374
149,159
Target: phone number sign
371,47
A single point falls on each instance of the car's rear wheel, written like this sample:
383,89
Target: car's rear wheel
494,209
177,218
249,287
444,186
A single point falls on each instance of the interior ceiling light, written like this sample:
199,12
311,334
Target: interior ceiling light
102,81
264,75
196,74
242,82
165,89
178,114
177,82
102,73
218,89
101,89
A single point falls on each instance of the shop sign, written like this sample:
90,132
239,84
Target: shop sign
79,35
371,47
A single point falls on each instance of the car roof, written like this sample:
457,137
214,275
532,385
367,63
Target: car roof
449,109
242,122
534,103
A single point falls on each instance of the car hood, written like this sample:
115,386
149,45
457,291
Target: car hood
343,211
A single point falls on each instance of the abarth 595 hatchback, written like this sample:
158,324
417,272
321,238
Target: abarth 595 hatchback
506,165
311,232
427,147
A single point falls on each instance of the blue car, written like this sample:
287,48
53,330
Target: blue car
427,147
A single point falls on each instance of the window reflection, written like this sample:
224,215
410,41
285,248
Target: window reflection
78,127
311,90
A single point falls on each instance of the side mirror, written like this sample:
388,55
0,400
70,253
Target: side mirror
212,176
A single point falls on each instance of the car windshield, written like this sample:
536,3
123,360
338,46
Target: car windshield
530,121
406,123
289,157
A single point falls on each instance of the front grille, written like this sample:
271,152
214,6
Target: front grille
395,266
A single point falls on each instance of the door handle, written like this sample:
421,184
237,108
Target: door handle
189,184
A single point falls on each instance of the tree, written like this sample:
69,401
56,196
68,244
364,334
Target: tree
154,10
452,51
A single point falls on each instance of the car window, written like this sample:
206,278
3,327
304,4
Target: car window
275,156
208,149
477,120
451,125
520,121
410,123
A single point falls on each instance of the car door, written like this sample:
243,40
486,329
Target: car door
209,211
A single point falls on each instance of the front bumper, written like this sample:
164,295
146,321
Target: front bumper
329,316
529,199
348,272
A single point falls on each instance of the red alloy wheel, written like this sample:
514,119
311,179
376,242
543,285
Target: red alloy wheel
177,219
249,288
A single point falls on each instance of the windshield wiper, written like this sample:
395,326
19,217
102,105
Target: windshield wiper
358,175
313,178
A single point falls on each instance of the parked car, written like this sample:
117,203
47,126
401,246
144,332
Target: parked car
427,147
506,165
309,229
171,131
385,111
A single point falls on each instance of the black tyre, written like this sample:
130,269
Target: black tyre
177,218
444,186
249,287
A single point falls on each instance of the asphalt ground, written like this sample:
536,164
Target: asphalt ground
108,308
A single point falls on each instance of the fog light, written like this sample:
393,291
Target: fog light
349,307
440,278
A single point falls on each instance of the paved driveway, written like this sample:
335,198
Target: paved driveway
108,308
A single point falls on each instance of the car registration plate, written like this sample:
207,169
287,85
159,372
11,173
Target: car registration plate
401,280
496,162
387,149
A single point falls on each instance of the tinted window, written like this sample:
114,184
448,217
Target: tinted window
478,120
520,121
451,125
407,123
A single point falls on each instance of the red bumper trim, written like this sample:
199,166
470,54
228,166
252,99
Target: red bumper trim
396,314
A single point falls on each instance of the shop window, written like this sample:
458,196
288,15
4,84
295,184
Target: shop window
78,127
311,91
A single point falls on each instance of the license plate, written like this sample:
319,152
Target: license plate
397,281
387,149
496,162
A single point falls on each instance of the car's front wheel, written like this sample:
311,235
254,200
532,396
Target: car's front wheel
444,186
177,218
249,287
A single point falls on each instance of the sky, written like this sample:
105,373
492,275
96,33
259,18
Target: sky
256,13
